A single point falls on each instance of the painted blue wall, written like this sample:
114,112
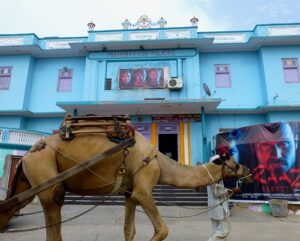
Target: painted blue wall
45,124
246,81
286,116
45,78
18,83
178,63
12,122
288,93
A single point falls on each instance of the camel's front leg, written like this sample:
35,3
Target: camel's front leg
52,200
148,204
129,225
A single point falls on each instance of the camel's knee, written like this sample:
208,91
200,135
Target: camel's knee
138,197
55,195
59,195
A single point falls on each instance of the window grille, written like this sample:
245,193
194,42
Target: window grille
5,76
222,76
65,80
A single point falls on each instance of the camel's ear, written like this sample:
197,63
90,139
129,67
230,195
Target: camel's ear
218,161
225,156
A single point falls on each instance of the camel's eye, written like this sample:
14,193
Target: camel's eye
237,166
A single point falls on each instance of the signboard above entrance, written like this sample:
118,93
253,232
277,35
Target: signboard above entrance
177,118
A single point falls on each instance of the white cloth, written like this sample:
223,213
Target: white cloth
220,230
217,193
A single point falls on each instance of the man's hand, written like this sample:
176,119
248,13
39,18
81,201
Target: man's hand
233,190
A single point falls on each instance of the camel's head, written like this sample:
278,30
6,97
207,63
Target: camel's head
230,168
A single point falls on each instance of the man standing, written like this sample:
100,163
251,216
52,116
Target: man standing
218,201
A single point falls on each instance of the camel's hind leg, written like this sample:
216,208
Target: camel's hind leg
21,185
129,225
52,200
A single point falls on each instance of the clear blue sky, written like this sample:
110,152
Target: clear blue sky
69,17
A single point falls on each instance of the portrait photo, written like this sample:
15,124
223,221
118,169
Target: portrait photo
142,78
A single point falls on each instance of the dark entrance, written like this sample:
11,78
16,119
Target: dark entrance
167,144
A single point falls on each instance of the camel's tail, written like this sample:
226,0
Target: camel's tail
17,183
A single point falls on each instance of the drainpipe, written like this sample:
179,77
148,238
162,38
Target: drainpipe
204,138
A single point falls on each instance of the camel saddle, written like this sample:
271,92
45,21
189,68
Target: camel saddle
117,128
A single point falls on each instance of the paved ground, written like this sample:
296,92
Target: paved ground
105,223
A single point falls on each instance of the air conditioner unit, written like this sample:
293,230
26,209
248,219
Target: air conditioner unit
175,83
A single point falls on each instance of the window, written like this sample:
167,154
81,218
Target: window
5,75
222,76
65,80
291,70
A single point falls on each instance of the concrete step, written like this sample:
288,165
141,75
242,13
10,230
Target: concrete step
164,195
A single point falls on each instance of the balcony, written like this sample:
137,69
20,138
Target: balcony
19,139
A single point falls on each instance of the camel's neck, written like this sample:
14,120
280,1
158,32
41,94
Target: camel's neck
178,175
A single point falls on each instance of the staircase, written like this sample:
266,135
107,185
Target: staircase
164,195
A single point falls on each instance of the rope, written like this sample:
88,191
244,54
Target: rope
58,223
32,213
211,177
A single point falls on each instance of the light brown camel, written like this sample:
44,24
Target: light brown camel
46,161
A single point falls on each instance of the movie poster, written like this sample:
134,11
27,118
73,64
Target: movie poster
272,153
142,78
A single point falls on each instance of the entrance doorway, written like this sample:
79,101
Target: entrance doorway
167,144
168,140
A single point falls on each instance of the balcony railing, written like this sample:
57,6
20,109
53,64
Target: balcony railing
15,137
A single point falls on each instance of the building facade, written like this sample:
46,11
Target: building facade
202,82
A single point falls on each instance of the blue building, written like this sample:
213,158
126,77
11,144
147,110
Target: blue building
204,82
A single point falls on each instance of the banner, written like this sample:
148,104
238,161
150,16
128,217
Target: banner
142,78
272,153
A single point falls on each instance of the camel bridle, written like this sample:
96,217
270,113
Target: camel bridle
235,170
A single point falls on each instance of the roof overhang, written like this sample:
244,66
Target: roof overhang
145,107
201,44
273,108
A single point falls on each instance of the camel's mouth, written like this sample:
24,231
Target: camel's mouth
247,179
247,176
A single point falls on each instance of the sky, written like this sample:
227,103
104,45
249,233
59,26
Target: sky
69,18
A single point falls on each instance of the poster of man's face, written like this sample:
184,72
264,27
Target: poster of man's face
145,78
272,153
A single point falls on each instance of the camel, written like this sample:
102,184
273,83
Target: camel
52,155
